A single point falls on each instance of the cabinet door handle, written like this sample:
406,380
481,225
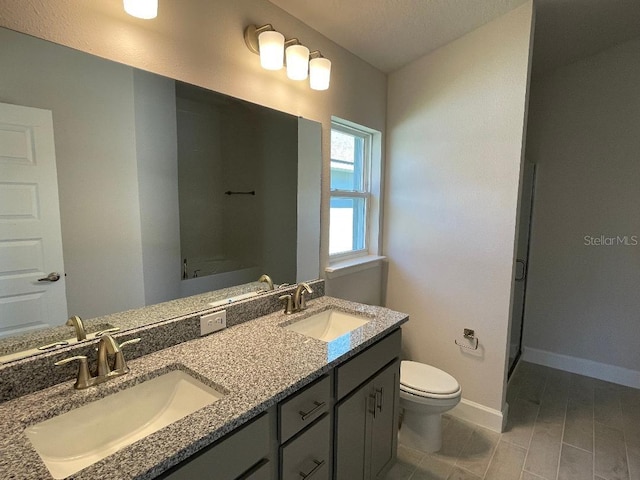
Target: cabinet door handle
318,406
380,403
374,399
314,470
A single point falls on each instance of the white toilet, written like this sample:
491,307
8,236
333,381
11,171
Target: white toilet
426,393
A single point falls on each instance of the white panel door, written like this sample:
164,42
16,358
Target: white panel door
30,235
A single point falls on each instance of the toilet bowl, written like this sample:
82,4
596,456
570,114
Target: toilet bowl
426,393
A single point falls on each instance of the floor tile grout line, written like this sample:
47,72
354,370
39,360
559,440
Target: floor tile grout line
577,447
564,426
593,433
533,429
493,454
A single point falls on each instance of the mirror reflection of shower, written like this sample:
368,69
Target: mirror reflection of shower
236,166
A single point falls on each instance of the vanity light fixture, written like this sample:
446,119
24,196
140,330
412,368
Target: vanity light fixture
297,62
319,71
145,9
270,45
267,43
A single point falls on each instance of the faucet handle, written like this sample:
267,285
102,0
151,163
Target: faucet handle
119,364
84,377
288,302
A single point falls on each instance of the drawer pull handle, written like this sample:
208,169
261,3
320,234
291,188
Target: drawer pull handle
318,406
313,471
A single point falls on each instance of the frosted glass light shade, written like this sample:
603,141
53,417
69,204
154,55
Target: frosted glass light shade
271,50
145,9
319,73
297,62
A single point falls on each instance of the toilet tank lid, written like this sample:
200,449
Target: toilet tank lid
426,378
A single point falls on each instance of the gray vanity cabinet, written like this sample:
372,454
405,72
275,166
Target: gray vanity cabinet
241,455
342,426
366,418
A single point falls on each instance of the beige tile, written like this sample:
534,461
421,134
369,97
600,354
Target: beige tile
553,406
611,453
432,469
460,474
578,427
507,462
454,438
521,418
529,476
409,457
399,472
477,453
575,464
629,396
633,456
581,389
631,418
607,408
532,388
544,451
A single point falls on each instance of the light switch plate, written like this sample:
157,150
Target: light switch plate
213,322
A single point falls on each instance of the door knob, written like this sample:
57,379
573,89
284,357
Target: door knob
52,277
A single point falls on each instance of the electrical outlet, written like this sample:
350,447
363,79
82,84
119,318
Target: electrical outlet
213,322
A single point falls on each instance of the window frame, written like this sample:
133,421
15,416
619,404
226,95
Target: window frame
365,193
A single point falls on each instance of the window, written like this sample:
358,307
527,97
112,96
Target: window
350,204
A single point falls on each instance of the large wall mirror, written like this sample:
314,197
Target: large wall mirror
165,190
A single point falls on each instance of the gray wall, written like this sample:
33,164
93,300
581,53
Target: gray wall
582,300
455,122
156,151
97,173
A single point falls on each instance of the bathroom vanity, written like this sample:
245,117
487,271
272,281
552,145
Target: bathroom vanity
290,406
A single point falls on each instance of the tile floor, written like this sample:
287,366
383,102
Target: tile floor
560,426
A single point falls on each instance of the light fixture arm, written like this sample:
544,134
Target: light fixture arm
251,34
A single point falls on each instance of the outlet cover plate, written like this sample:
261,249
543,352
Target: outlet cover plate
213,322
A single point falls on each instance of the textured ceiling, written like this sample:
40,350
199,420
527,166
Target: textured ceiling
569,30
389,34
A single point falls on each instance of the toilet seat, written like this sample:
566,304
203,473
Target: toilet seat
427,381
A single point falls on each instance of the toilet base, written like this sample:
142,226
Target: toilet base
421,432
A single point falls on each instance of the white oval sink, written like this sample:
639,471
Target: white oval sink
328,325
79,438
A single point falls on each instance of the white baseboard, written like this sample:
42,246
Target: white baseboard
480,415
589,368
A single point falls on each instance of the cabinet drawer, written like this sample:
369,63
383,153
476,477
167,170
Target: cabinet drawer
302,408
307,456
231,457
366,363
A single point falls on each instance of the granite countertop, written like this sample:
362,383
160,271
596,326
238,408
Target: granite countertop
257,364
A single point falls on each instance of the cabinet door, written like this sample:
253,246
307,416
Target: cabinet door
384,427
351,431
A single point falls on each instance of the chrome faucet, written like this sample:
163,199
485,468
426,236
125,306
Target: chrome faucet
299,300
296,302
76,322
266,279
107,346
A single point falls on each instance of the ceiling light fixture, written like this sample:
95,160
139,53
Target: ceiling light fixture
145,9
273,48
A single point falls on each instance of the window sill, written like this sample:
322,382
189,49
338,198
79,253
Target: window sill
353,265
